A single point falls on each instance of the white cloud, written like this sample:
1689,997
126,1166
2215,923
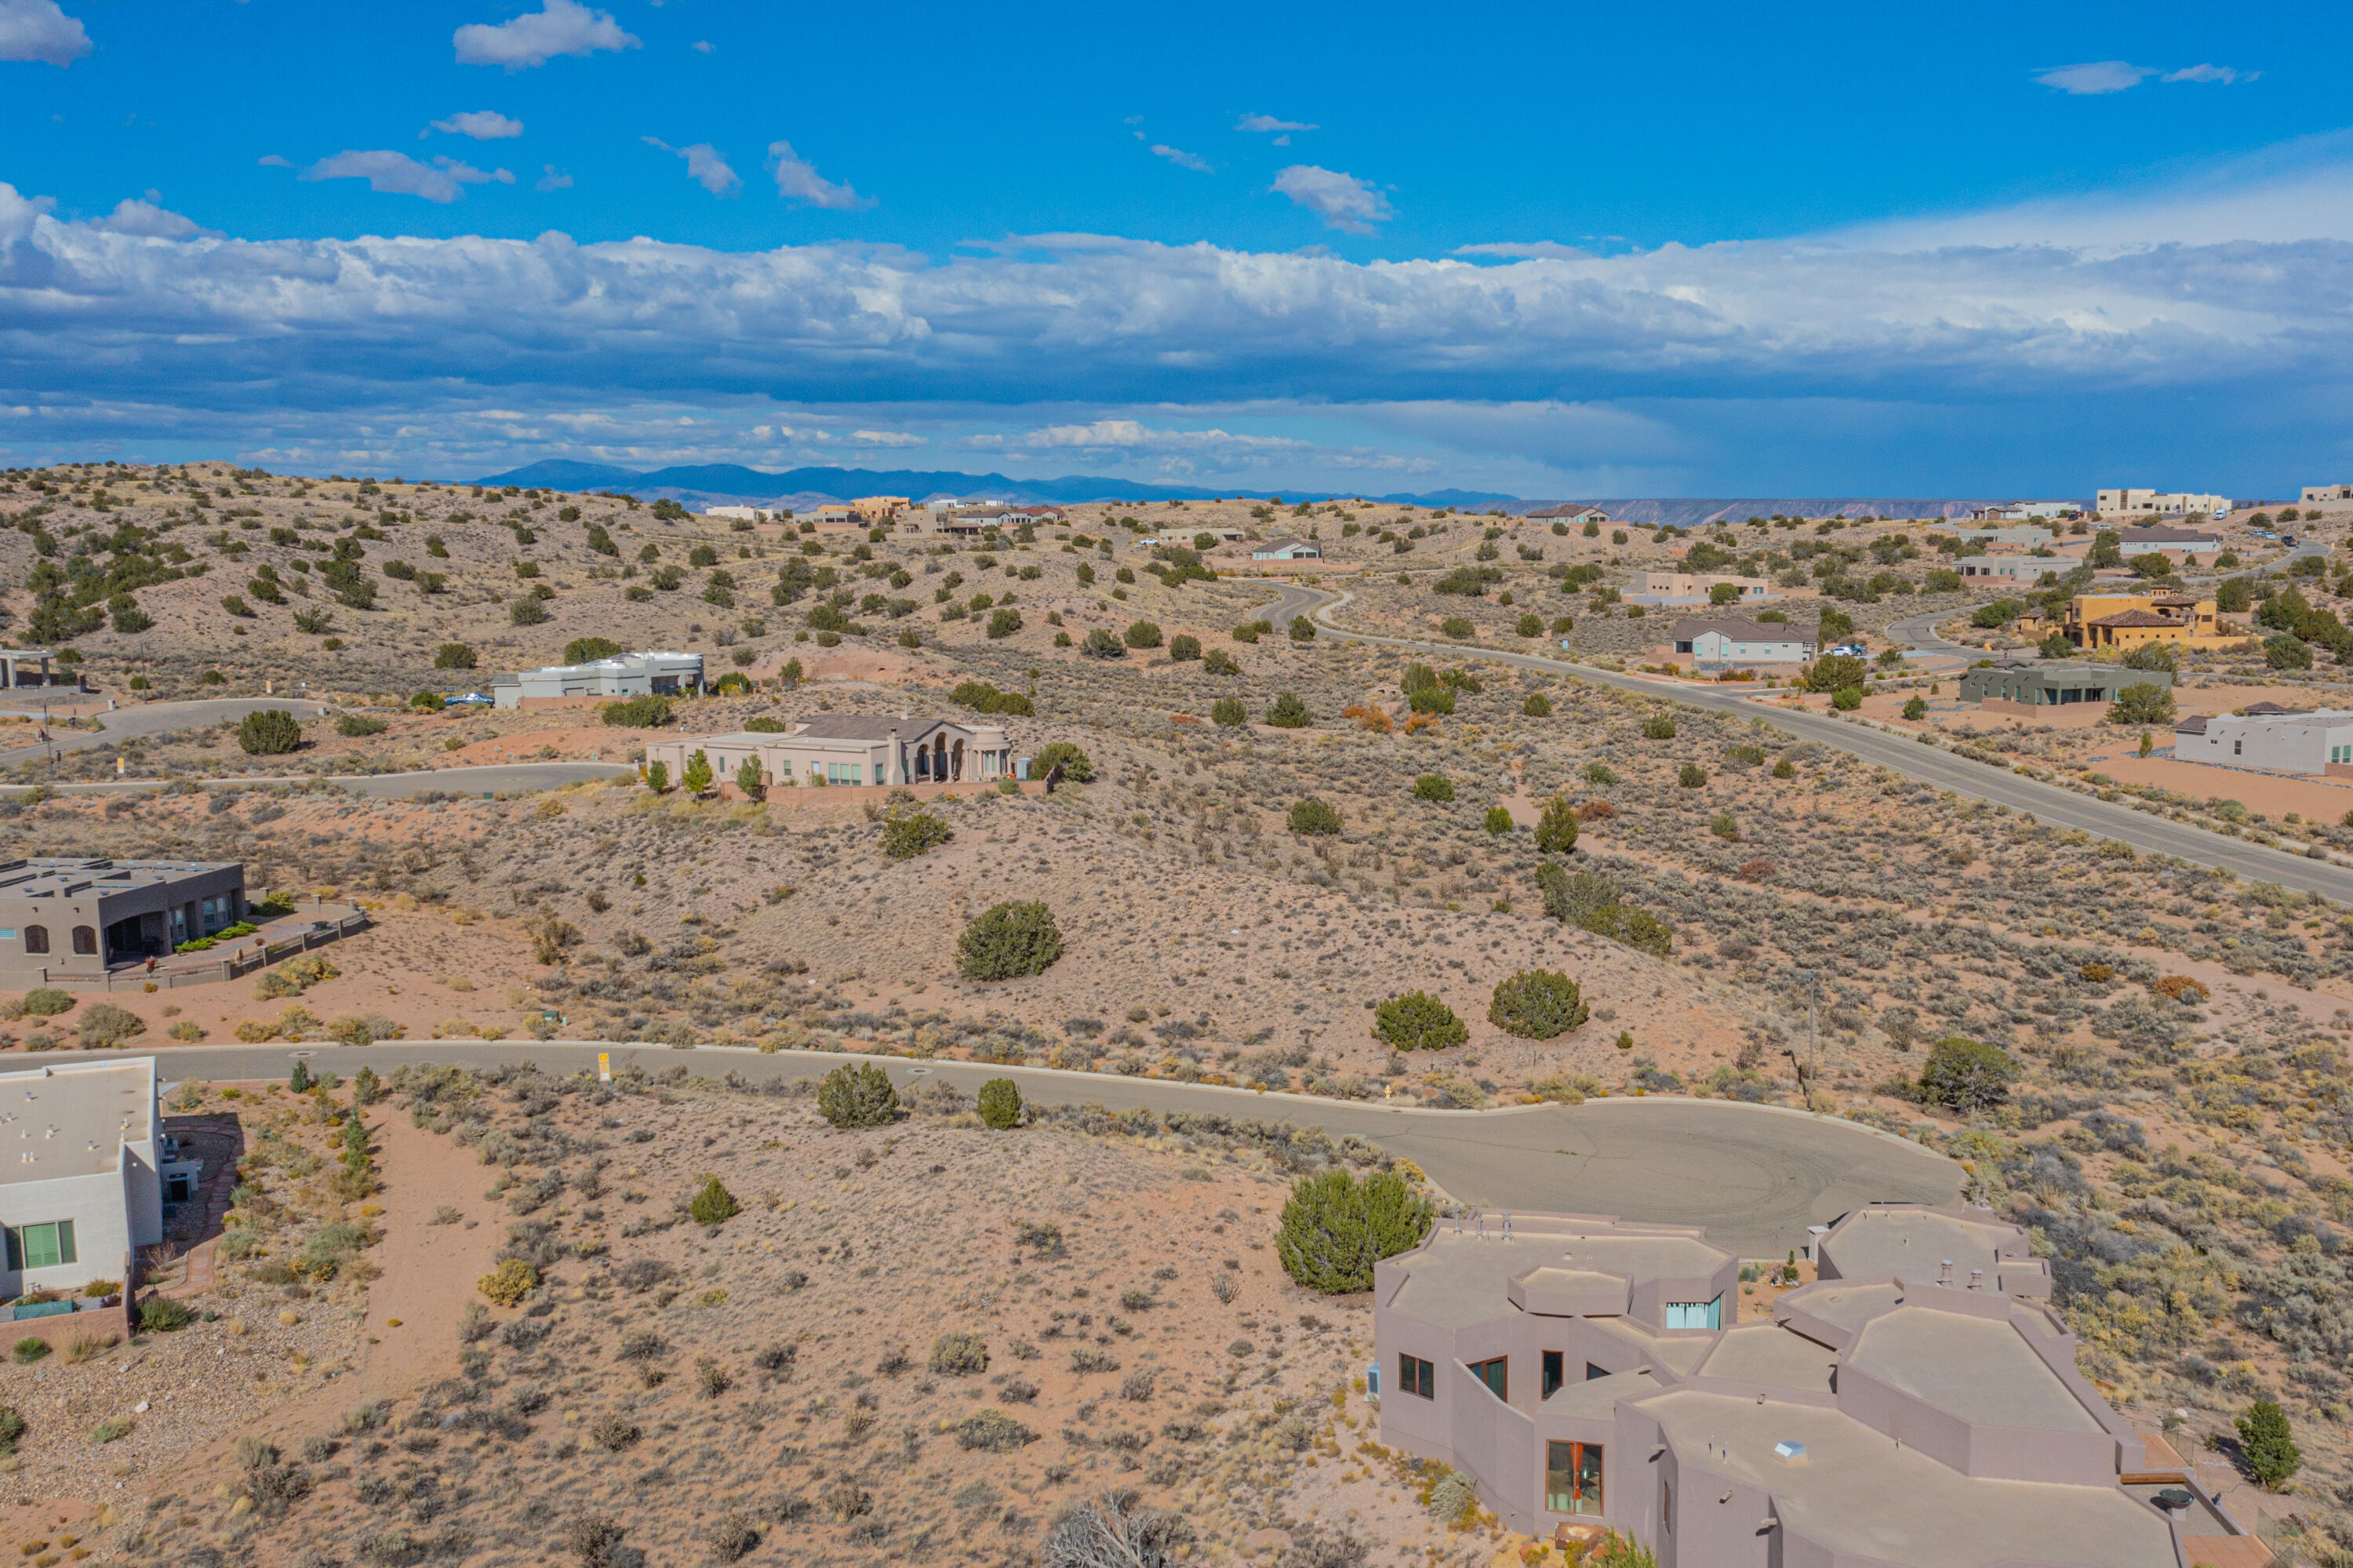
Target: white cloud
481,124
887,438
553,179
798,180
705,47
2222,74
398,173
2096,77
1134,436
1182,159
39,30
705,166
146,219
562,27
1262,123
272,161
1342,201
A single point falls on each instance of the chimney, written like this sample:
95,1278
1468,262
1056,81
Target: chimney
1945,1272
1977,1280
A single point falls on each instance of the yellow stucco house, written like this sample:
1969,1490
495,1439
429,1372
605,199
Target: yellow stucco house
2118,622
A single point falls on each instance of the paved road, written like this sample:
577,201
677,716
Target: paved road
1920,631
1939,768
492,778
1292,600
155,718
1756,1177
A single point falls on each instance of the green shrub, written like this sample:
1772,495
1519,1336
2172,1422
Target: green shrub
1658,726
1314,817
715,1205
2285,652
163,1315
30,1349
104,1025
1433,787
1690,775
904,838
47,1002
1102,644
858,1093
959,1354
1301,628
1499,819
1217,662
272,732
528,610
1419,1022
1458,627
453,656
1076,769
1184,648
1966,1076
1556,829
588,649
509,1283
1000,1104
356,724
1537,1004
1538,705
2269,1445
1846,699
637,712
1335,1228
993,1432
1007,940
427,702
695,776
1529,626
1832,672
658,777
1229,713
12,1427
1003,623
1916,708
1142,634
1432,699
1288,713
1724,825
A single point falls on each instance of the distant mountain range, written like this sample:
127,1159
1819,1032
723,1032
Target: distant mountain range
727,482
722,483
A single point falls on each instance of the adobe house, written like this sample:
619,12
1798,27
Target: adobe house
1918,1405
2017,688
74,920
851,749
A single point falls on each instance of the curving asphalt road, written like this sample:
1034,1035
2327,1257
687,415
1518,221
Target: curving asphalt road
1754,1175
1935,767
155,718
1920,631
485,778
1292,599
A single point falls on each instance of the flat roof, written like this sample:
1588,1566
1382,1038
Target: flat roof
1773,1357
1459,1280
1978,1369
67,878
73,1119
1882,1244
1860,1494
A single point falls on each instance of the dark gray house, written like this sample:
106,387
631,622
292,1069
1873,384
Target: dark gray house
2050,684
73,919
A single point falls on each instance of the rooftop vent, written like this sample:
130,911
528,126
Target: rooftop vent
1791,1451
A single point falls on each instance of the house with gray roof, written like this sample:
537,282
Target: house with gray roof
1917,1404
1722,641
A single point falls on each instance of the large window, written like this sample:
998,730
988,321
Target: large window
845,773
1695,1314
36,938
41,1247
1418,1376
1496,1374
1552,1373
1573,1477
86,939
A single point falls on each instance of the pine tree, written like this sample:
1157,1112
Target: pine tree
696,779
1334,1228
1557,830
2270,1448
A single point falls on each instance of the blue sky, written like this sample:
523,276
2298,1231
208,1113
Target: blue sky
1545,249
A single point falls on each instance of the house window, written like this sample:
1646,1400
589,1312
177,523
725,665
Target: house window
85,939
1418,1376
1695,1314
36,938
1496,1374
2235,747
1592,1371
845,773
41,1247
1552,1373
1573,1477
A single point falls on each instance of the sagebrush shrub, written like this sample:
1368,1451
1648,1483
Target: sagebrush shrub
959,1354
1314,817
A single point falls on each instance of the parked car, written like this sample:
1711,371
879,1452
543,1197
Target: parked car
1852,649
470,700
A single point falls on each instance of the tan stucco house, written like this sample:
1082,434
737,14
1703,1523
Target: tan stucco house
849,749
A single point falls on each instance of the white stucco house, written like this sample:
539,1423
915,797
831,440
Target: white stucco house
1717,642
1288,550
2268,736
83,1163
833,750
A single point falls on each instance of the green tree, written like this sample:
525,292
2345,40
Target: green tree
1537,1004
2107,549
1076,769
1846,699
1007,940
1229,713
2162,656
1499,819
2269,1445
1288,713
658,777
1690,775
2143,701
1832,670
527,610
1142,634
588,649
695,778
858,1093
1335,1228
2285,652
1003,623
1433,787
1529,626
1000,1104
2054,645
1538,705
715,1205
1916,708
1301,628
272,732
1966,1076
453,656
1102,644
299,1081
1419,1022
1430,699
1184,648
1556,829
904,838
1314,817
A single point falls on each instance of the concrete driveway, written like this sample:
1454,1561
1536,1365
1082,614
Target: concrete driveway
1755,1176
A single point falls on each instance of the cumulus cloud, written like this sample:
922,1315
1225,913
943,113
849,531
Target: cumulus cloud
1182,159
1342,201
705,166
2222,74
1269,123
1134,436
398,173
39,30
2095,77
151,221
562,27
553,179
481,124
887,438
798,180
